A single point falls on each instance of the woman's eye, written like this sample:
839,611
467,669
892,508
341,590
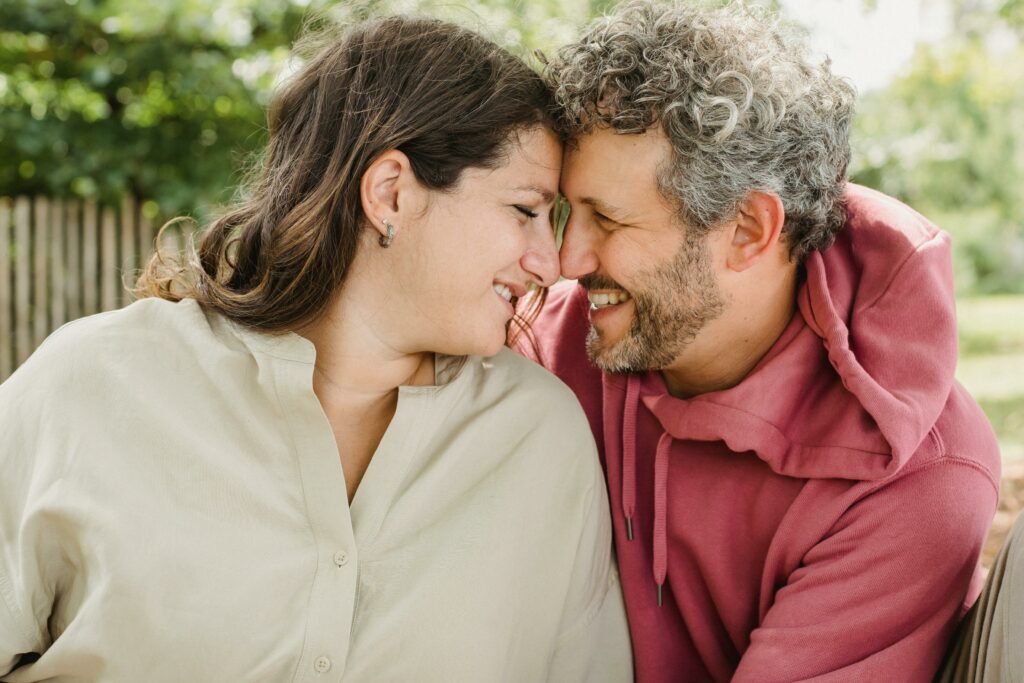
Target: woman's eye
525,211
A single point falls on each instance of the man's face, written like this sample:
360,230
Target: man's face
650,281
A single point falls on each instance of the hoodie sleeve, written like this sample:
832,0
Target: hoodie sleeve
880,595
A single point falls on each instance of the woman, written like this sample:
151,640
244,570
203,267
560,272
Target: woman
173,508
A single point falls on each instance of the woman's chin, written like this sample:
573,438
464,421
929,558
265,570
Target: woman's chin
484,344
488,347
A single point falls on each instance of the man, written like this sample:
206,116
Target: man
800,488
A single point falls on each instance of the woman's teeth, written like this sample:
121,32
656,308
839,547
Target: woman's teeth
504,292
607,298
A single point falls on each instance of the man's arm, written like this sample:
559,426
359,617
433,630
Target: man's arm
880,596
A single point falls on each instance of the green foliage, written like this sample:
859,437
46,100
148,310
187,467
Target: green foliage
102,97
946,138
167,100
991,364
1013,12
520,25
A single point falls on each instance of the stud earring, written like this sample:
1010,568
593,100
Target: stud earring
386,241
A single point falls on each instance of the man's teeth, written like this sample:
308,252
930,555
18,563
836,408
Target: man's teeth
607,298
504,292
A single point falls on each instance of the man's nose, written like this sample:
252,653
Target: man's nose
577,256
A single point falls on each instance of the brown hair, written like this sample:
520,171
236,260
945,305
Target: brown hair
446,97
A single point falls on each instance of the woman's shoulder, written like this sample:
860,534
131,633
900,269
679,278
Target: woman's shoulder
529,383
521,396
139,338
141,320
530,407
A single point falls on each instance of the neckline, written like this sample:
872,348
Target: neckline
291,346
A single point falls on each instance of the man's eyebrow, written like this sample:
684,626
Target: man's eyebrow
547,195
609,210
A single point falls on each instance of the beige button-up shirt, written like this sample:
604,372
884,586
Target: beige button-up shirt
172,508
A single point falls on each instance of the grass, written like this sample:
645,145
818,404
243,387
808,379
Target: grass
992,364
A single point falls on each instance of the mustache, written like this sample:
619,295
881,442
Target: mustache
595,281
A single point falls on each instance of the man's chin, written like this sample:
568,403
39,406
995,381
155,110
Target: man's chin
606,354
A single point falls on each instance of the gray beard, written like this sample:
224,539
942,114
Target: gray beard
671,305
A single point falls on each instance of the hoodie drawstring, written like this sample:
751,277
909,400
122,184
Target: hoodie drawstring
660,511
660,482
629,452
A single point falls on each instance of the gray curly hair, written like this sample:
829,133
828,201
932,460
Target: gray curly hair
740,104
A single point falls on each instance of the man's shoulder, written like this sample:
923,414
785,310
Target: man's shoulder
964,436
875,220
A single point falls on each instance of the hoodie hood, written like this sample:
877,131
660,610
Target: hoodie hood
859,377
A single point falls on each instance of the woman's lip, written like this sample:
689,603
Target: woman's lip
508,304
518,290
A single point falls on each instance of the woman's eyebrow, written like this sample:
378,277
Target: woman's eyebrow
547,195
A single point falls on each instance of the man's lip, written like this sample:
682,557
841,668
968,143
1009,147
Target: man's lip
597,314
620,293
601,290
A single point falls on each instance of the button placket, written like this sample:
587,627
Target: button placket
332,595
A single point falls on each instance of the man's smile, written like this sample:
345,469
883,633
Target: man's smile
605,298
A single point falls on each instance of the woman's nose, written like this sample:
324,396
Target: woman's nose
541,258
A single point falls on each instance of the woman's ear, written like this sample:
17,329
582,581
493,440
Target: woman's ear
757,231
384,189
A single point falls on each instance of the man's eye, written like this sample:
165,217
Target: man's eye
525,211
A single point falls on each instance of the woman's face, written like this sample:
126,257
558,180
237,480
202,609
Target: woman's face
480,246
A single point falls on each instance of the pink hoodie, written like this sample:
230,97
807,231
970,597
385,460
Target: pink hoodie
823,519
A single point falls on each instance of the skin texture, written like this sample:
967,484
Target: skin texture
703,309
431,291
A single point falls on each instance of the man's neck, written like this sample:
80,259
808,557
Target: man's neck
725,351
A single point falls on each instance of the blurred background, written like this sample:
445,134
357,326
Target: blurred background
116,115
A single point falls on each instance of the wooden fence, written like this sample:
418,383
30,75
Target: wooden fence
63,259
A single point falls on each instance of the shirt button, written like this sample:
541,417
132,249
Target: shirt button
322,665
341,558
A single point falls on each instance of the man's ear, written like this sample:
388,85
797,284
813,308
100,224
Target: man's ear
757,230
383,189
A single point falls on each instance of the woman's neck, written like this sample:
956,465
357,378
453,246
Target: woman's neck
356,380
355,362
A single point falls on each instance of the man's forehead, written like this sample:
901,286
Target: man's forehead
608,171
604,141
